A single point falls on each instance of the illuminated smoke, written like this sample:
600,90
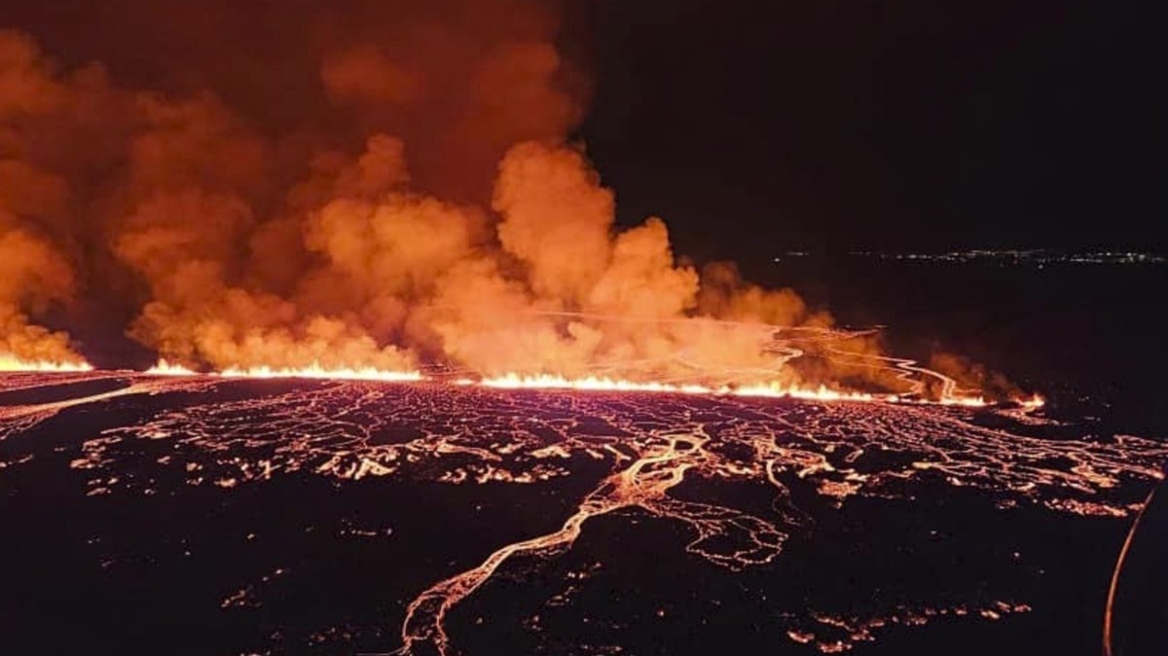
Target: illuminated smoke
379,185
31,275
34,271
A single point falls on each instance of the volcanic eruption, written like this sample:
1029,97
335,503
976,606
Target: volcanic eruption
416,388
385,188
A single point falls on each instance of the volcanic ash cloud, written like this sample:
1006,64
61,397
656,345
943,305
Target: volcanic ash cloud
412,200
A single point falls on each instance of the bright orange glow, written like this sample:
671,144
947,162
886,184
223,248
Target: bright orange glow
164,368
12,363
586,384
967,401
315,371
1033,403
821,393
592,383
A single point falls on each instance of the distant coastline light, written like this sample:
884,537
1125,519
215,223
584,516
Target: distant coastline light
1038,258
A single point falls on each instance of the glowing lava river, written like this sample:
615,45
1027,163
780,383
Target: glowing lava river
197,514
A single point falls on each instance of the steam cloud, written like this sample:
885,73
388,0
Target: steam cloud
372,184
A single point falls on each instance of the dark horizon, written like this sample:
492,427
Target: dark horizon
903,126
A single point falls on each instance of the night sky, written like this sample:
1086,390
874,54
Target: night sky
755,128
759,127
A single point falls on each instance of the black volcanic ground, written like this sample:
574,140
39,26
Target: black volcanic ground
211,516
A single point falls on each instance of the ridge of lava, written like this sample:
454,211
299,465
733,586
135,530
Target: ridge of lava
543,381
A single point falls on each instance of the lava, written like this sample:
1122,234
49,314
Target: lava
314,371
910,375
166,368
517,381
644,485
1034,402
651,444
593,383
9,363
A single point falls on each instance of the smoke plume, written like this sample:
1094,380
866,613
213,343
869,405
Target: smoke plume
354,184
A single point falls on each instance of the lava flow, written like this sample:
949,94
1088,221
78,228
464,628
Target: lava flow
643,485
315,371
949,396
635,456
593,383
9,363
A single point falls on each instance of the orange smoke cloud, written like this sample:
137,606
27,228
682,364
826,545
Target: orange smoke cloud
35,271
395,188
32,275
556,219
